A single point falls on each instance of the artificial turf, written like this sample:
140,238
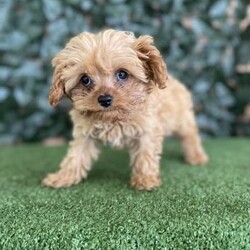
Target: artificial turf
196,207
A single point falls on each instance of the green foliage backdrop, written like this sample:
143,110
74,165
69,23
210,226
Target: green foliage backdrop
205,43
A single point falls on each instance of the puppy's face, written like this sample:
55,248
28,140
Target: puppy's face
107,76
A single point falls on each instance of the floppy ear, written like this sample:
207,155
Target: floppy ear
153,63
57,88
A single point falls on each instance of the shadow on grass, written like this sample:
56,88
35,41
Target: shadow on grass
112,164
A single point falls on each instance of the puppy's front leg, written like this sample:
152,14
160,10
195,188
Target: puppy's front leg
75,165
145,158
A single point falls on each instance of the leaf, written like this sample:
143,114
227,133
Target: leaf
201,87
21,97
52,9
5,73
198,26
228,61
218,9
4,93
29,69
5,9
14,41
224,96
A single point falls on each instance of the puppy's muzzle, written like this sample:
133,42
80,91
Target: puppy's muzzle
105,100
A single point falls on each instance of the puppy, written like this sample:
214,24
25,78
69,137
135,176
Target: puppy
121,95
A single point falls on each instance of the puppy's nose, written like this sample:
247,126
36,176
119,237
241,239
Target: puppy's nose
105,100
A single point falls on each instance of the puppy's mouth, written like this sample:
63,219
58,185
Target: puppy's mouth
102,110
110,113
108,110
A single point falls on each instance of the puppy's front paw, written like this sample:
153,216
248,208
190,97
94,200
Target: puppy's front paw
61,179
145,182
199,158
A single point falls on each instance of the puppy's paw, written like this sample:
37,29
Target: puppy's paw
61,179
199,158
145,182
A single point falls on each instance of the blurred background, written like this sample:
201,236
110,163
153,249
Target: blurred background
206,44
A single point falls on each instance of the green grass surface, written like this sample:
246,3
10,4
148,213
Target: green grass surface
196,207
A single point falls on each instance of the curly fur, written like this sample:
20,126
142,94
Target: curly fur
147,106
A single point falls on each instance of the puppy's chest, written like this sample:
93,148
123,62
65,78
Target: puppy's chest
117,134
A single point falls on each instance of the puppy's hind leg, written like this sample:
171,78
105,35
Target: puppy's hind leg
75,165
191,141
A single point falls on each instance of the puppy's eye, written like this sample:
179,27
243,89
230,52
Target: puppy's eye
86,80
121,75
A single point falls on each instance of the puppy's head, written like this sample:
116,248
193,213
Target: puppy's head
107,75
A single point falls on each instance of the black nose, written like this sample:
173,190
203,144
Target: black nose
105,100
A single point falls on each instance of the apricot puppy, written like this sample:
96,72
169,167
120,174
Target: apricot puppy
121,95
